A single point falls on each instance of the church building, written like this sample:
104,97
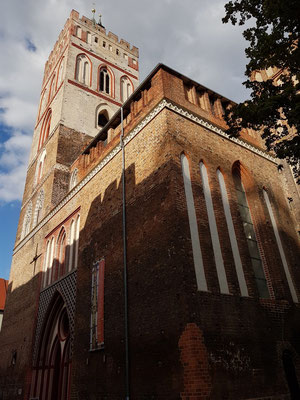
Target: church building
156,257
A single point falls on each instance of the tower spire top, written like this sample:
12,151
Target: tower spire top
99,22
93,12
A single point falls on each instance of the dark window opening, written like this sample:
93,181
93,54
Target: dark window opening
102,120
104,81
107,83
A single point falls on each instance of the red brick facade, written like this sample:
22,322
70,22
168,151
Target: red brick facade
183,342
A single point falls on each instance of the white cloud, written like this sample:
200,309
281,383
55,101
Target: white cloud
188,36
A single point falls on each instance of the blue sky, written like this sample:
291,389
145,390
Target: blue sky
188,36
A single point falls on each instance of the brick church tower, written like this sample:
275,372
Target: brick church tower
88,75
156,257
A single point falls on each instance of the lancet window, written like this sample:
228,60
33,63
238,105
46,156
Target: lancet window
61,255
104,81
249,231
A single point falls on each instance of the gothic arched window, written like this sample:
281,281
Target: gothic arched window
126,88
83,69
249,231
104,81
27,221
52,369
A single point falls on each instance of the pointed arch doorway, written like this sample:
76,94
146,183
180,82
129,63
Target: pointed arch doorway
51,376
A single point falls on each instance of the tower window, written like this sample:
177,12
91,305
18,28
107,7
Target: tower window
104,44
88,37
117,52
78,31
104,81
83,69
126,88
102,120
96,40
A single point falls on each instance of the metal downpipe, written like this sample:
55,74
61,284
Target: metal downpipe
127,388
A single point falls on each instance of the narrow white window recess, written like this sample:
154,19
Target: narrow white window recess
197,255
281,251
214,231
232,237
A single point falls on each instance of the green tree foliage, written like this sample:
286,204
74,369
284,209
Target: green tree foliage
272,29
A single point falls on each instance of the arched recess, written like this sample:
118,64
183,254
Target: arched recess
104,110
38,208
126,88
61,254
60,72
27,220
45,129
106,80
40,167
83,71
73,179
51,373
52,88
42,103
